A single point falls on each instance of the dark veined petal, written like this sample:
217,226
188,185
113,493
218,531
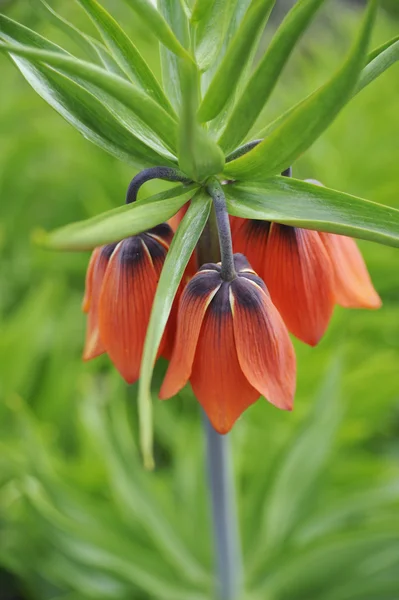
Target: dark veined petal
194,302
217,379
94,279
352,284
250,238
126,299
265,351
299,276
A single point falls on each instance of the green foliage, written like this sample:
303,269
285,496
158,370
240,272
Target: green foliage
296,203
181,249
79,518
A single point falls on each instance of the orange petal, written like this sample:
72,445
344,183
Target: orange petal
94,280
265,351
89,280
299,276
217,379
126,299
250,238
192,307
352,284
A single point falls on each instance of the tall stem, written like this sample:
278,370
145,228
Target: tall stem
220,470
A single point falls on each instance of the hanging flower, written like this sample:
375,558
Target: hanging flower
307,272
120,288
232,345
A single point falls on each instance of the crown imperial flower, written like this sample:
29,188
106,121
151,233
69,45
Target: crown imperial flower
232,345
120,287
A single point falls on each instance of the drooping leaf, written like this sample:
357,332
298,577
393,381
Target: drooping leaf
118,223
125,52
235,60
378,61
159,27
199,156
173,13
293,202
210,32
262,82
309,119
183,245
154,116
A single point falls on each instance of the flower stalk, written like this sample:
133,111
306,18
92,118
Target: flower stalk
215,244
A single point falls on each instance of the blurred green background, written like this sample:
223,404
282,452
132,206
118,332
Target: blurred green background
318,489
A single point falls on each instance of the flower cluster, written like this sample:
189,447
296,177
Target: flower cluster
227,335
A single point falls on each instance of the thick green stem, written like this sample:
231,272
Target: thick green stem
220,470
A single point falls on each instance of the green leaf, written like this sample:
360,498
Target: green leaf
305,460
105,125
293,202
173,13
132,97
308,120
210,32
235,60
125,52
159,27
199,156
118,223
380,60
181,249
200,10
262,82
89,116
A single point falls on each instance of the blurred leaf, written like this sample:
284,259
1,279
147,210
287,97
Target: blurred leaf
378,61
200,10
235,60
299,204
265,77
290,493
306,123
199,156
119,223
159,27
181,249
381,59
132,97
173,13
125,52
210,32
380,49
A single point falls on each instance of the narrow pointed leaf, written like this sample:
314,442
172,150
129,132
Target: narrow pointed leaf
261,84
125,52
200,10
381,59
88,115
159,27
173,13
181,249
118,223
210,32
306,123
132,97
235,60
81,39
301,204
199,156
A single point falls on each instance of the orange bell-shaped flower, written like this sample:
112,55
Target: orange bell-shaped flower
120,289
232,345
